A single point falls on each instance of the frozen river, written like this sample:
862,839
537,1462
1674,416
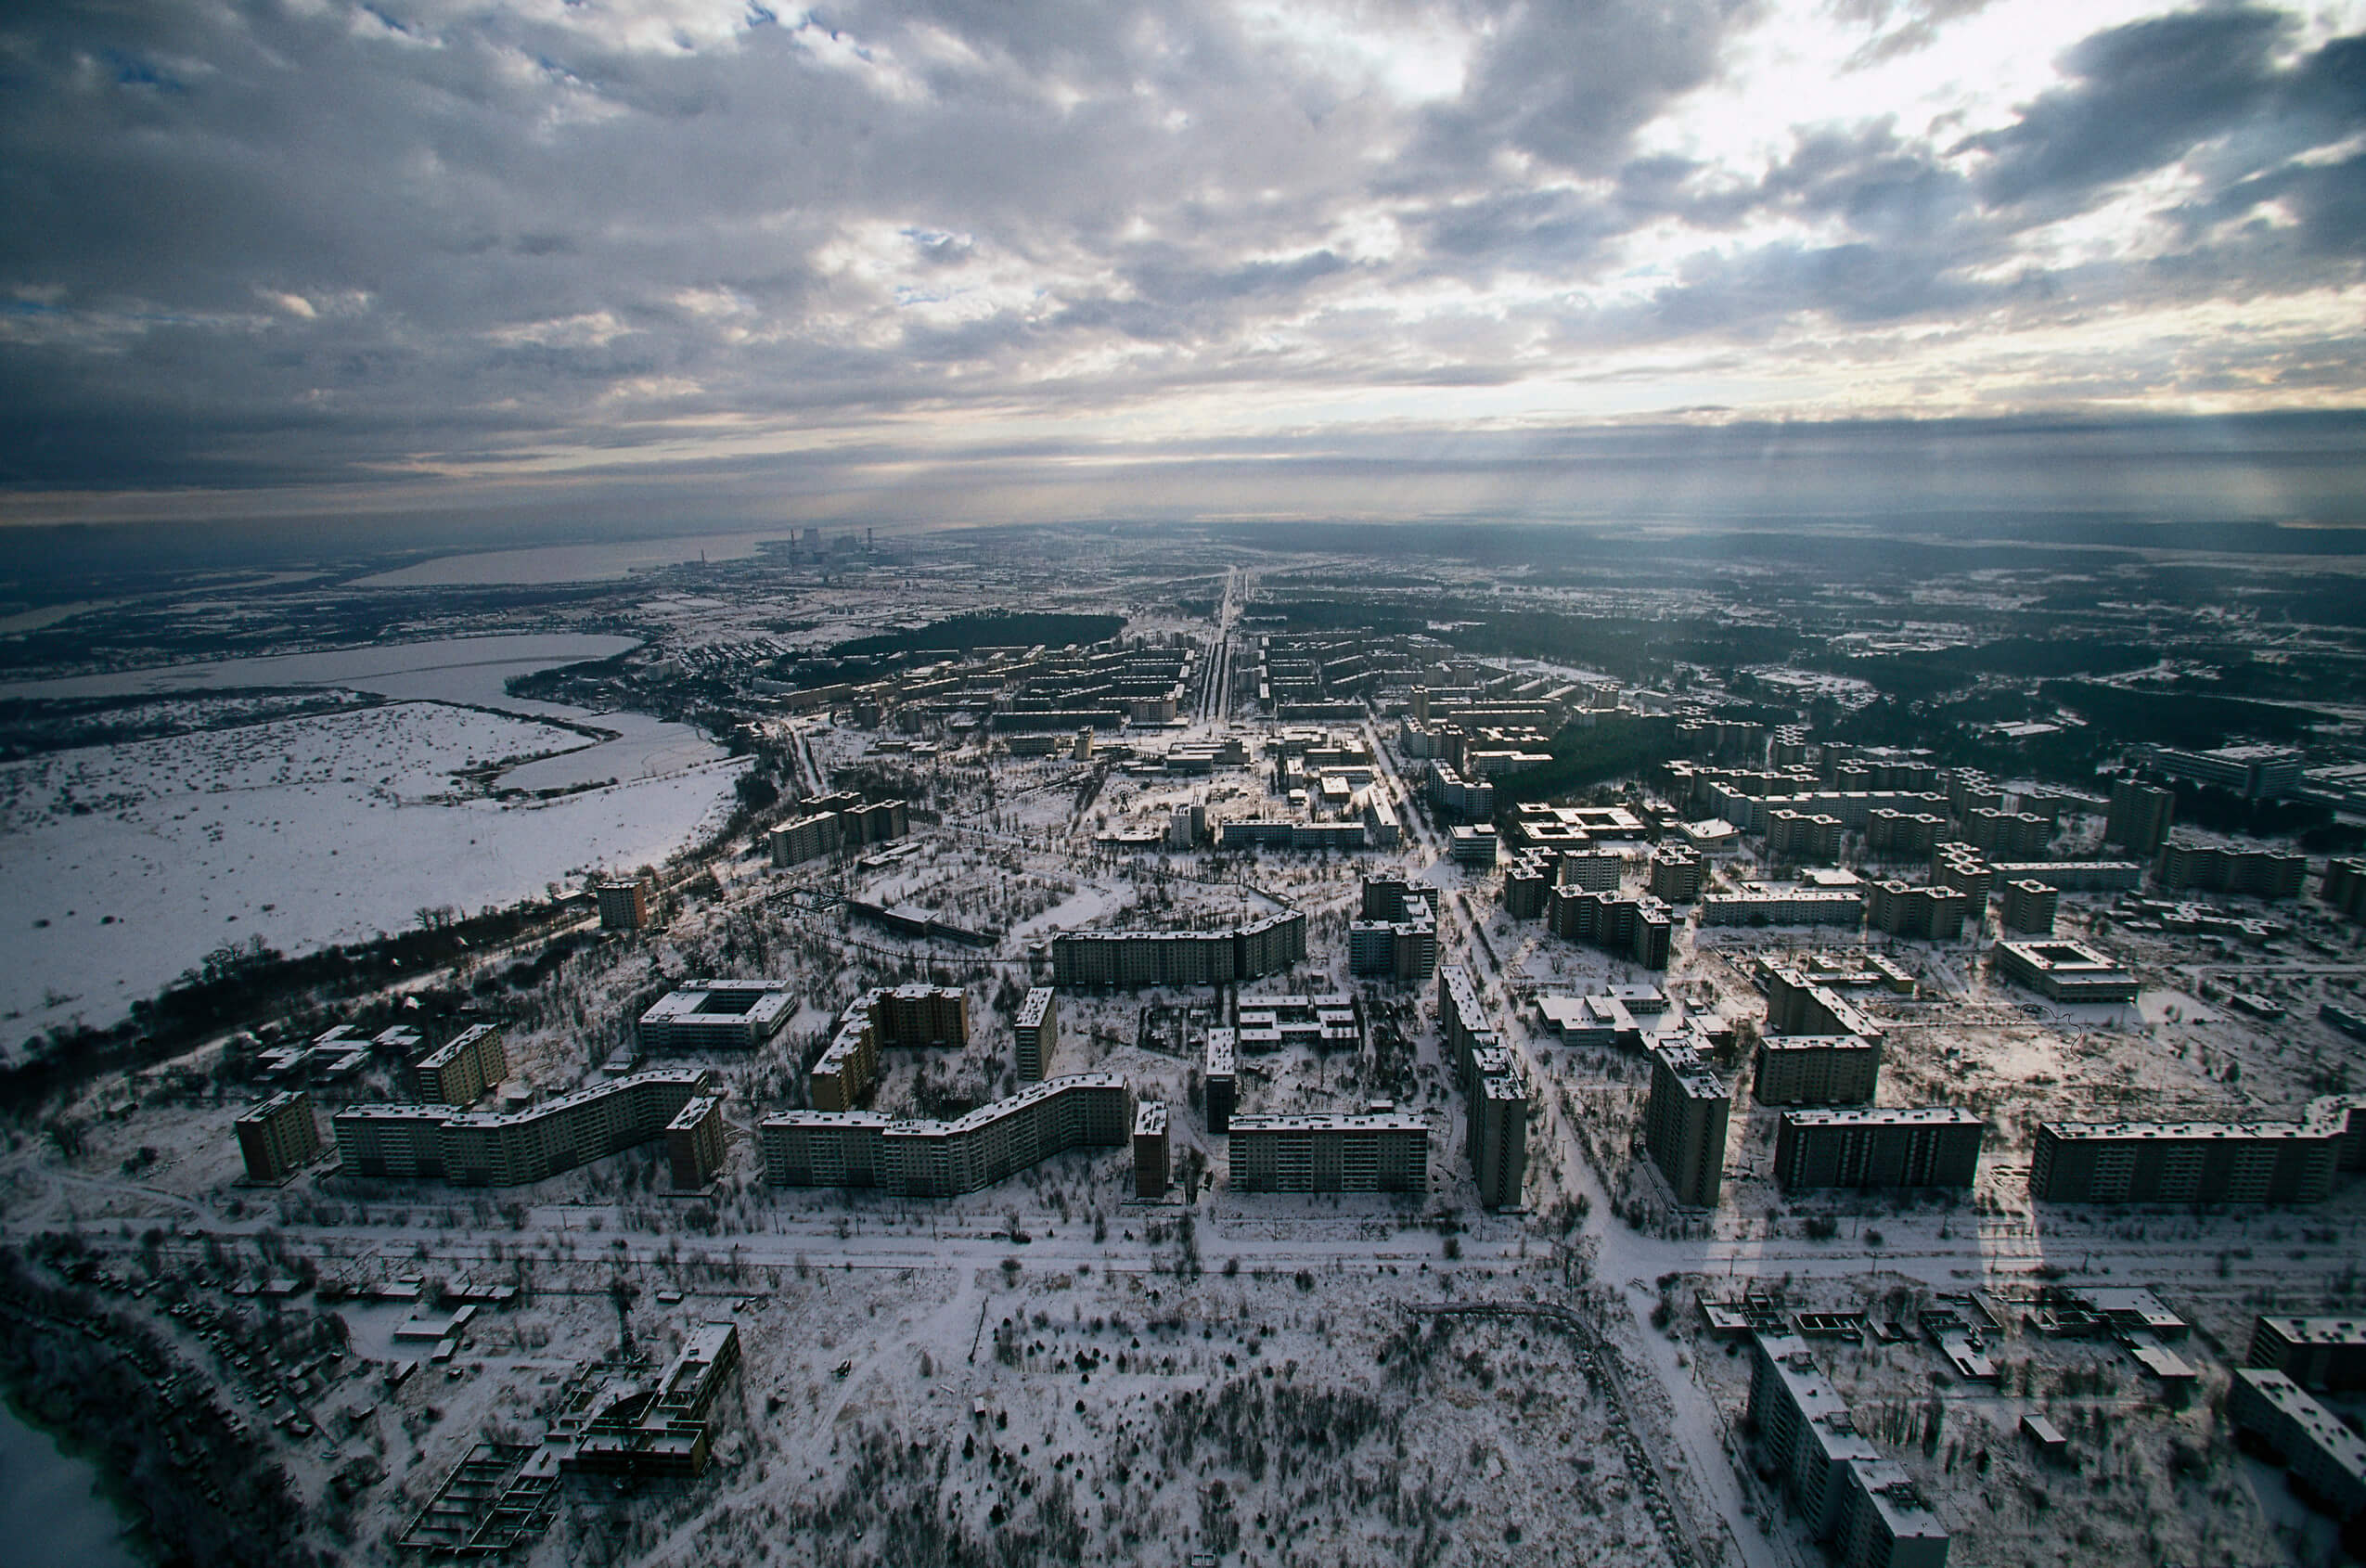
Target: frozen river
50,1500
122,865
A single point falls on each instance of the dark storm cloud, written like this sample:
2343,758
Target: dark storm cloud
261,242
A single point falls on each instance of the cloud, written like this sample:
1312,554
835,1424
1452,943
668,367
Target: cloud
272,242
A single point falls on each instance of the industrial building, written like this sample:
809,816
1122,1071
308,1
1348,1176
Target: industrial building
1684,1124
1037,1032
458,1071
1378,1151
279,1137
2063,971
1221,1084
504,1148
1816,1070
1150,1150
712,1015
2201,1162
2312,1352
922,1159
1861,1504
1127,959
1920,1146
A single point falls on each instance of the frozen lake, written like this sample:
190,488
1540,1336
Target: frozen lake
122,865
50,1500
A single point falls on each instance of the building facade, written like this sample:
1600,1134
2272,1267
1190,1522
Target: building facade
278,1137
922,1159
1371,1152
1922,1145
1684,1124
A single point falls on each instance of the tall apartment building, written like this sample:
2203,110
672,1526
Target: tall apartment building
502,1149
883,1018
2312,1352
1677,872
1465,1028
694,1143
1397,936
1128,959
1684,1124
920,1159
1861,1504
1595,870
2029,907
1474,845
2007,835
1639,930
1796,1004
459,1071
1957,865
2140,816
1220,1084
2201,1162
279,1137
1369,1152
1812,837
2074,876
2344,886
2326,1459
1922,1145
1816,1070
1150,1150
1901,834
1037,1032
2254,873
1784,906
1929,913
708,1015
624,906
1498,1110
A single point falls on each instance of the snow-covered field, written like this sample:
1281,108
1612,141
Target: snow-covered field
127,865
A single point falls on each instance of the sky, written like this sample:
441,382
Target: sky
1004,258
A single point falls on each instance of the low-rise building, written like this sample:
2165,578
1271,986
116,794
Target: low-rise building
1322,1024
2063,971
705,1015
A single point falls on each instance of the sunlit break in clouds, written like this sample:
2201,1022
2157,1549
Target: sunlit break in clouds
890,259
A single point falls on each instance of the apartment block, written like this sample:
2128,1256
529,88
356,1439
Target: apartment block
1684,1124
503,1147
922,1159
1500,1110
2256,773
1861,1504
279,1137
1957,865
1130,959
2140,816
2250,873
624,906
2327,1460
1816,1070
1323,1023
2344,886
1037,1032
882,1018
1474,845
2313,1352
1799,836
694,1143
1677,872
1922,1145
460,1071
1220,1083
2201,1162
1369,1152
1397,935
1797,1004
1932,913
1784,906
2030,908
1641,931
2007,835
1150,1150
1902,834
